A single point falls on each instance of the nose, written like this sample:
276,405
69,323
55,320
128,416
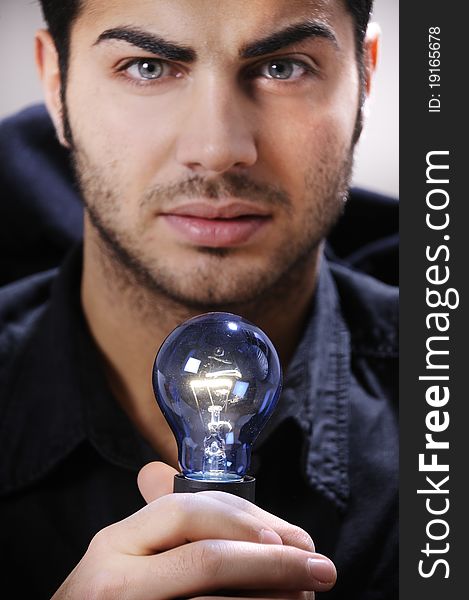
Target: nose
217,134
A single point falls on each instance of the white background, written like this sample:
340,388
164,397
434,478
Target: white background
376,166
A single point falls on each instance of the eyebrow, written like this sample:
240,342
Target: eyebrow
288,36
149,42
172,51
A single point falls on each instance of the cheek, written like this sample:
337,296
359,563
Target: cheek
122,135
314,126
317,143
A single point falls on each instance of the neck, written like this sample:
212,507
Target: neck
129,324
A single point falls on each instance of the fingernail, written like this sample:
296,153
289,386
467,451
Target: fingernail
268,536
322,570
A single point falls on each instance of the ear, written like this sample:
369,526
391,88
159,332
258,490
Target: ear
371,50
47,62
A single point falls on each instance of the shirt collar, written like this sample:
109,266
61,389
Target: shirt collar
58,396
316,394
327,404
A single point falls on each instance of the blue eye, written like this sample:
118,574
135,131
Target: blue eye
280,69
283,69
145,69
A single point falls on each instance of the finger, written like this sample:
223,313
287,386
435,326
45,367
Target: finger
211,565
258,595
177,519
155,480
271,594
262,596
291,535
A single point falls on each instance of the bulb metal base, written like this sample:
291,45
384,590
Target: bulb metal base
246,488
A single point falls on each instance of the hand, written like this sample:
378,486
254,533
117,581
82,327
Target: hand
186,545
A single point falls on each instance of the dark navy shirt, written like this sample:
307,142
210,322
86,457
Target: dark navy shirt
326,461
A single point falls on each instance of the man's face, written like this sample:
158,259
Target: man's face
213,139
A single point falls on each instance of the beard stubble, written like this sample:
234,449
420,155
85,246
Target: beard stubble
213,283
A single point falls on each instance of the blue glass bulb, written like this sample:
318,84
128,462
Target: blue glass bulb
217,379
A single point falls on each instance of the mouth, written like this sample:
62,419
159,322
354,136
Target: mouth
216,226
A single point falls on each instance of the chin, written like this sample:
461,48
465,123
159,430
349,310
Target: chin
211,290
210,297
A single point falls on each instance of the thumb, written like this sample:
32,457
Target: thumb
155,480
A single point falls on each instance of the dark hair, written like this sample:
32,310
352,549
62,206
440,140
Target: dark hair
360,11
60,15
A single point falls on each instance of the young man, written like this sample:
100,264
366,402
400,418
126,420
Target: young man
213,145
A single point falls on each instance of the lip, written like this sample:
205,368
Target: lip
231,210
216,226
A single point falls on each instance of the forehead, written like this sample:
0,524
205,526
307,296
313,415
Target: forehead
212,24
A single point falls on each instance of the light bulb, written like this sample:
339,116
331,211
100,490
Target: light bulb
217,379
